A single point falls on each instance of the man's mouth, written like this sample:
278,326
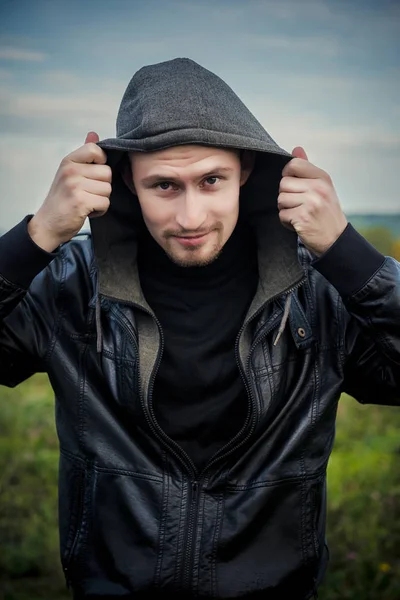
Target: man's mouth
191,240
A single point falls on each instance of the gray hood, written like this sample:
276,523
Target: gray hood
180,102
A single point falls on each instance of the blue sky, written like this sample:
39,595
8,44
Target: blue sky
324,74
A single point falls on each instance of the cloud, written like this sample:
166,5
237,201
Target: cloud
73,108
323,45
21,54
27,168
60,79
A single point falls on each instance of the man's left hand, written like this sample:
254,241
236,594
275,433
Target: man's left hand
308,204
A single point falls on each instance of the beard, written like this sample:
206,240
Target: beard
191,260
193,256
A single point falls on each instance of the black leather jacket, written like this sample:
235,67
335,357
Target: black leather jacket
134,516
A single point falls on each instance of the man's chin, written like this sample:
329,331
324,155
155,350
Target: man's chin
194,259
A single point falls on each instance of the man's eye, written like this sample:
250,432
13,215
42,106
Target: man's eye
164,185
212,180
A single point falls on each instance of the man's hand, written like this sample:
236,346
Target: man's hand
308,204
81,188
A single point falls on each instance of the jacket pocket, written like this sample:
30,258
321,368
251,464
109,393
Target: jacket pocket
72,478
267,539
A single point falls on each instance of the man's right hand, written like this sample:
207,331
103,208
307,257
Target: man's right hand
81,188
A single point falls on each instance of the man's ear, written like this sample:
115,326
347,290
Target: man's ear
126,172
247,159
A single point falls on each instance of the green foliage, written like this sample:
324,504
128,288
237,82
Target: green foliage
28,491
363,509
364,505
382,238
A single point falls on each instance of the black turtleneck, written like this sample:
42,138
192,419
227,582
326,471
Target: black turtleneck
199,397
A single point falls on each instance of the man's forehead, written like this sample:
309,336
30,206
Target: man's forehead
183,152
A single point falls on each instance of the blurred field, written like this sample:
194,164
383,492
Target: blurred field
363,516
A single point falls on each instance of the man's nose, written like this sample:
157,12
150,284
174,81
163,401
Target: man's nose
191,213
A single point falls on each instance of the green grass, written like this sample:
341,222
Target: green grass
363,488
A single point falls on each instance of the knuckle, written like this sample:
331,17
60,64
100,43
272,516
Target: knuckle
313,204
68,170
321,187
283,183
108,172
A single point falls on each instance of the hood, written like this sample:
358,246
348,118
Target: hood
180,102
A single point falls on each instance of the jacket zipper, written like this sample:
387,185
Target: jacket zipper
244,371
152,423
193,505
175,449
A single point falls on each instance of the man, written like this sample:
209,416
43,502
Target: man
197,343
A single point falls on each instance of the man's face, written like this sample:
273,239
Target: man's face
189,197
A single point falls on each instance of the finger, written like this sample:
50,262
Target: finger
289,217
98,188
97,204
92,137
288,200
88,153
297,167
299,152
97,172
293,184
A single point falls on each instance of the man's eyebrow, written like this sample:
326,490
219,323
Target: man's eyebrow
157,177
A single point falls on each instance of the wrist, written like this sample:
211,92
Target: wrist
42,237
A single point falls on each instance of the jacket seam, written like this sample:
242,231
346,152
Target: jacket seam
273,482
164,509
199,544
179,537
361,292
128,473
303,509
73,456
216,538
15,287
110,470
58,296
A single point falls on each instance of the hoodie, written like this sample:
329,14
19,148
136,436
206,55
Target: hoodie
180,102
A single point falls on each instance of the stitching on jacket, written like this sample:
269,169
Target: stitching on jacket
274,482
384,342
14,286
81,398
58,296
179,537
73,457
316,393
134,474
161,537
303,510
359,294
77,459
199,535
216,538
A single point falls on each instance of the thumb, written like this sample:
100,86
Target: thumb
92,137
299,152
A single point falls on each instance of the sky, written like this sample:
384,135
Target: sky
322,74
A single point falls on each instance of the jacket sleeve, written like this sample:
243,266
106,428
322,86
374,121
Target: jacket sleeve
369,313
27,306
